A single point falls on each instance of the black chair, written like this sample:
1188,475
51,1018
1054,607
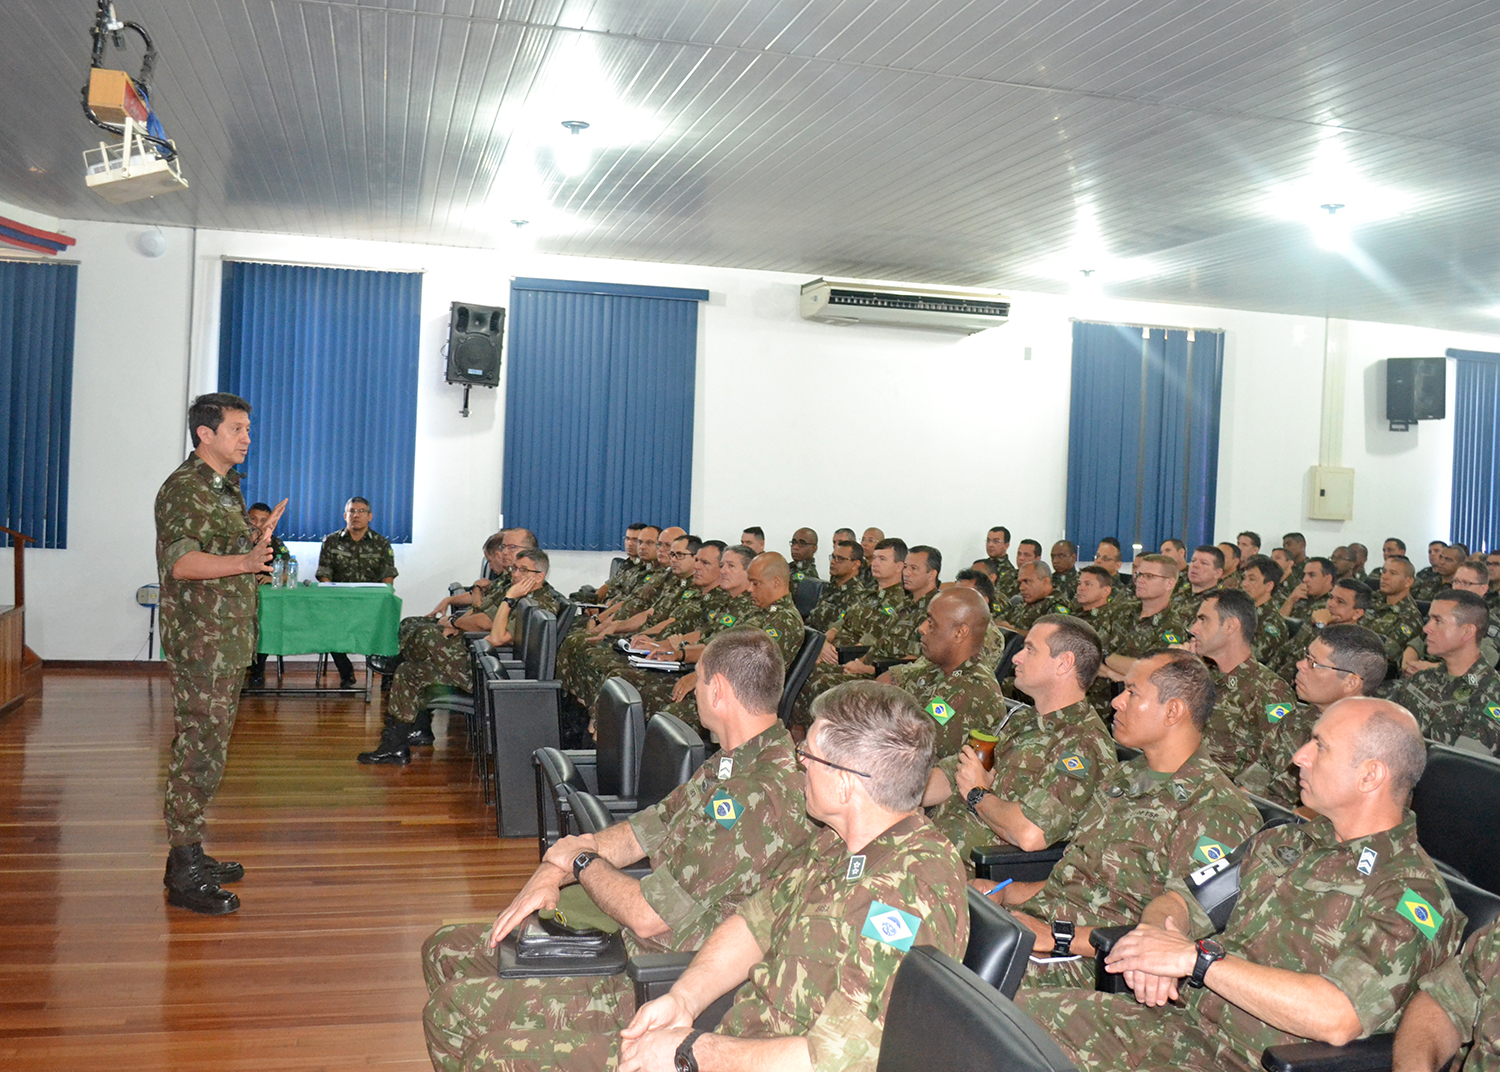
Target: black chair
1000,862
1423,605
942,1015
1124,753
615,564
1272,813
587,813
1293,626
999,946
671,754
521,715
809,591
1456,803
1005,667
800,670
567,614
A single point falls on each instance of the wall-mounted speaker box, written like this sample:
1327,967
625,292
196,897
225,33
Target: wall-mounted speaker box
1416,389
475,334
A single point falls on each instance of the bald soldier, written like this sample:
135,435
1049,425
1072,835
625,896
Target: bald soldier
1336,921
804,561
950,682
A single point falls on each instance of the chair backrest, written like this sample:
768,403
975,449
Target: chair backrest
539,646
620,729
809,591
1124,753
941,1015
615,564
670,755
588,813
1272,813
1456,803
567,612
1293,627
1479,907
555,777
486,668
800,670
1004,668
999,945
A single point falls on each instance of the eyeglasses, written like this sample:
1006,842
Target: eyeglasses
803,543
515,547
804,755
1149,576
523,569
1324,666
840,558
679,555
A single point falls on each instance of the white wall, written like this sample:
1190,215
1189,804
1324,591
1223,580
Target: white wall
930,436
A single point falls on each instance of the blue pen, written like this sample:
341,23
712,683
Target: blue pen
998,887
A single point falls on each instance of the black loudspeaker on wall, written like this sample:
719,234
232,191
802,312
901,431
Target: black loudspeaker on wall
1416,389
475,333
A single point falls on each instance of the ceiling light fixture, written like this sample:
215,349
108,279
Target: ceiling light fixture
573,152
1331,231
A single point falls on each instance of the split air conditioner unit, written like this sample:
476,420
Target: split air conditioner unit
845,301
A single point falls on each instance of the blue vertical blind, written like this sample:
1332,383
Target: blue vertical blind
598,409
37,305
1476,449
1143,435
327,358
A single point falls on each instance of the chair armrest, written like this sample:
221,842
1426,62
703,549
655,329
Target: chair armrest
851,652
996,862
654,973
1103,939
1371,1054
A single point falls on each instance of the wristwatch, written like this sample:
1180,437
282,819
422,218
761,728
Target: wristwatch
582,860
1208,952
1062,937
684,1061
973,798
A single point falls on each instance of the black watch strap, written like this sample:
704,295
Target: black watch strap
1062,937
973,798
684,1061
582,860
1209,951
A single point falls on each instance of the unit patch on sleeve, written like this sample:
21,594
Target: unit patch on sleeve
890,926
724,809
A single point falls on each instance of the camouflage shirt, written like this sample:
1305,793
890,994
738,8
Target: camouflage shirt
1235,729
1464,986
1285,728
782,624
1141,829
727,612
833,933
872,620
1270,632
207,627
1449,708
729,831
967,699
1007,581
1133,636
834,603
1022,618
804,571
1065,584
1397,625
345,560
1302,609
1370,915
1050,765
698,609
1428,583
902,640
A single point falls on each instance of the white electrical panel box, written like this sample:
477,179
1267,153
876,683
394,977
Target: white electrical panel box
1331,493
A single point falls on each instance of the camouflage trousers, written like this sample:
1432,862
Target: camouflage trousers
474,1020
428,658
960,826
1069,974
1114,1033
203,706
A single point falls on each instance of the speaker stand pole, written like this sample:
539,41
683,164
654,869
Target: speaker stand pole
465,411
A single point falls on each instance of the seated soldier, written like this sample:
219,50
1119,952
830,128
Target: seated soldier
1348,603
1309,594
1294,548
259,515
1156,623
1231,553
1259,576
441,657
754,538
951,682
1108,556
1455,1014
1176,550
867,542
1445,559
1472,576
1247,692
1391,547
1205,569
356,554
1335,922
654,574
997,550
1037,597
1065,569
704,865
921,577
621,576
1361,555
1459,701
804,560
1050,758
1249,545
819,948
1093,596
998,602
1344,661
842,589
1393,613
1164,813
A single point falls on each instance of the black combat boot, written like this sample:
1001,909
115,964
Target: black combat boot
221,871
190,884
421,730
394,746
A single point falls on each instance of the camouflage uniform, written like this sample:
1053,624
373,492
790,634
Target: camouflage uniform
1022,618
1428,583
591,664
1133,636
1397,625
967,699
1050,765
1303,609
1142,828
1065,584
208,633
1464,986
1285,728
834,603
367,560
730,830
1236,727
882,621
831,935
1304,905
1449,708
804,571
1488,654
1270,632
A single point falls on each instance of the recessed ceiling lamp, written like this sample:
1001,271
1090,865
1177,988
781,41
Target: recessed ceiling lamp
1333,199
573,152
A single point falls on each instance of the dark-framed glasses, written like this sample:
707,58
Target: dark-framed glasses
804,755
1324,666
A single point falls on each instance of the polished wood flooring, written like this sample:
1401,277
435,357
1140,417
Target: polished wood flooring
348,868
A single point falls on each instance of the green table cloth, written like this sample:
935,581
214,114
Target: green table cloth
303,621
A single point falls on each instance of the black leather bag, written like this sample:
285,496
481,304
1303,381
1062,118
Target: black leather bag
548,947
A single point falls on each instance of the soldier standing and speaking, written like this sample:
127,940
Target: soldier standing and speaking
208,557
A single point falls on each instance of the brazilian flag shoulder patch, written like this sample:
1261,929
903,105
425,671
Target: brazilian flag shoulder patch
1415,908
890,926
1171,638
1209,851
938,708
726,619
1493,710
724,809
773,632
1074,764
1275,712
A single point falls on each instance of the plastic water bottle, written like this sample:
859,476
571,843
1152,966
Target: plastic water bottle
278,573
291,571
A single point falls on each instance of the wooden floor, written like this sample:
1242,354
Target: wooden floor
348,868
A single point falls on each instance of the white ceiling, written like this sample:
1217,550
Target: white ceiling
1176,148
